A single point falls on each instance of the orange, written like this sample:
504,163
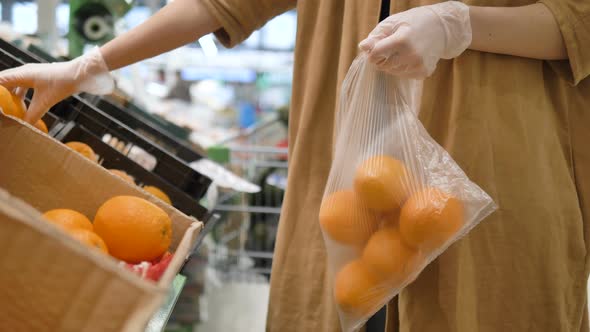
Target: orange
158,193
388,256
42,126
82,149
7,104
68,219
345,219
134,229
19,106
382,183
429,218
391,219
123,175
89,238
358,292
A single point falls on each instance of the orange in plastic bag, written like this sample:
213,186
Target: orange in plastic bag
345,219
357,289
380,182
430,218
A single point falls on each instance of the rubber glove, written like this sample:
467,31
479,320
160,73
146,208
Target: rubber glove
53,82
410,44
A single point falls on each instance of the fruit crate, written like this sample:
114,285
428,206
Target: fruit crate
139,150
51,282
151,156
160,131
112,158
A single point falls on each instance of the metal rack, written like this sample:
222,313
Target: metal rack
247,230
233,259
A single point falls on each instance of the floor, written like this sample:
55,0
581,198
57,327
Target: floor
240,306
236,306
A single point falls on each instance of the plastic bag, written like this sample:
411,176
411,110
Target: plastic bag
394,199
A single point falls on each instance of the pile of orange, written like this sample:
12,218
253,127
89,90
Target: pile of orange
12,105
394,222
128,228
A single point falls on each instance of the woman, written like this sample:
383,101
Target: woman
513,121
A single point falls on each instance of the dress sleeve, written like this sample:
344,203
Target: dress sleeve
573,18
239,18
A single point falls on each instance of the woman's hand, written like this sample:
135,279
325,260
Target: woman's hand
53,82
409,44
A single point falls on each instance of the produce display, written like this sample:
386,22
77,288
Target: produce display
131,229
14,106
135,231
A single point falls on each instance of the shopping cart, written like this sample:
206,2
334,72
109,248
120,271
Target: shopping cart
246,233
232,268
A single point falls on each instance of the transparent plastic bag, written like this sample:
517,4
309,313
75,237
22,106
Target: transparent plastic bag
394,199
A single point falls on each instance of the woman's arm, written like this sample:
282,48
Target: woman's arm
528,31
179,23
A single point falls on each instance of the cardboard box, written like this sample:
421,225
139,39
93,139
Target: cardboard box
49,282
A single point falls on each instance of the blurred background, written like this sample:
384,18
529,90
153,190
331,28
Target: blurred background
224,112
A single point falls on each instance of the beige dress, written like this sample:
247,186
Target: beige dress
520,128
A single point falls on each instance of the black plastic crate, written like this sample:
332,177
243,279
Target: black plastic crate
111,158
148,126
162,163
168,166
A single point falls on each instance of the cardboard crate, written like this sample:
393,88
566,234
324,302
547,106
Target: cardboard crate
49,282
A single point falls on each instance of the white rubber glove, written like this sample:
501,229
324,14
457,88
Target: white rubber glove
53,82
409,44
